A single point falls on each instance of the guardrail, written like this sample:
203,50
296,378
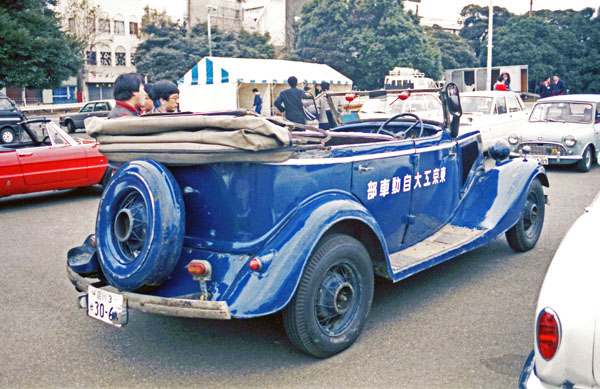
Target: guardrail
51,108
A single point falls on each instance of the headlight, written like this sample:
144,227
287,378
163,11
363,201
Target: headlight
513,139
570,140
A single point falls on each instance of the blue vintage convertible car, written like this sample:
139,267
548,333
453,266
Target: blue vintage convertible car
236,216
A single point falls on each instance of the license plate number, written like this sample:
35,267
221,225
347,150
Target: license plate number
104,306
540,158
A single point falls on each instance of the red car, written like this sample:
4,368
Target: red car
58,161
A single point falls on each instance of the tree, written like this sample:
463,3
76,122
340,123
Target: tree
475,25
565,43
364,39
81,17
34,51
455,50
169,49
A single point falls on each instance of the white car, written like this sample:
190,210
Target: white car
425,105
567,330
495,114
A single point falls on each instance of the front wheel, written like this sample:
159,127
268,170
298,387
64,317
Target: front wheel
330,307
586,163
524,235
7,135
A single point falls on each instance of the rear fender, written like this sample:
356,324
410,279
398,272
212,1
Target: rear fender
496,198
284,257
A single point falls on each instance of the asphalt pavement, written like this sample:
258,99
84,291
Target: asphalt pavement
467,323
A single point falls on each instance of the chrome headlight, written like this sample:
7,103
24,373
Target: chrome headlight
570,141
513,139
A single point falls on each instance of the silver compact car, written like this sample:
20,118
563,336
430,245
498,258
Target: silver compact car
561,130
567,329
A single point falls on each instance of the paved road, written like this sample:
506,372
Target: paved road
467,323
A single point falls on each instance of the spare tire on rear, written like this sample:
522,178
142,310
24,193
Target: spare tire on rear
140,225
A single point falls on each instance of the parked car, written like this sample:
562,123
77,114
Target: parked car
99,108
425,104
566,352
561,130
10,116
239,217
58,161
495,114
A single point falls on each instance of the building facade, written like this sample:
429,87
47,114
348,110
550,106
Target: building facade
111,36
278,18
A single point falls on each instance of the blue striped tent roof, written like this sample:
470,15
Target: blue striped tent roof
221,70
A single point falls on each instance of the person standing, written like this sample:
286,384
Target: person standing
545,88
148,105
166,95
503,83
257,104
322,106
558,86
289,101
129,94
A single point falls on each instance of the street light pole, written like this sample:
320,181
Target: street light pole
489,46
209,9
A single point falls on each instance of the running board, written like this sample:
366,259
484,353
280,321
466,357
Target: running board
430,251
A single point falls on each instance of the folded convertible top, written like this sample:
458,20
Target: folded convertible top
186,139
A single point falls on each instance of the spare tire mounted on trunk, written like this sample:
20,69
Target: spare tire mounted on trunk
140,225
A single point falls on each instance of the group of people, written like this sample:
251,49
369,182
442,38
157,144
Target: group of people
290,102
556,87
134,97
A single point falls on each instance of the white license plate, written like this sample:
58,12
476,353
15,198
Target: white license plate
540,158
103,305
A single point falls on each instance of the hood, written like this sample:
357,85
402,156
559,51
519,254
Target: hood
549,131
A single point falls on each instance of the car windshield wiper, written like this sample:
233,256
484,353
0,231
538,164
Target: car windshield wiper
555,120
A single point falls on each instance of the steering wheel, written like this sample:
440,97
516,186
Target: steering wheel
401,134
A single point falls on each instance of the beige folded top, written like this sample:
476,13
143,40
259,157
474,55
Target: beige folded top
191,139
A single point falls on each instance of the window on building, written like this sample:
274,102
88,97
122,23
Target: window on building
119,27
91,25
105,58
133,28
72,24
104,25
132,59
91,57
120,58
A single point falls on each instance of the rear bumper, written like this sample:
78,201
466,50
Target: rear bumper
183,307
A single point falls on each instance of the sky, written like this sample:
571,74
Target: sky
448,10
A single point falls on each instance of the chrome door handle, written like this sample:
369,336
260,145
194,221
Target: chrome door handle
25,154
362,168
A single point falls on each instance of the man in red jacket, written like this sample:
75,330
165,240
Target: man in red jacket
130,95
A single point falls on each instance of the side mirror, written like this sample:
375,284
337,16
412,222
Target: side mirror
453,108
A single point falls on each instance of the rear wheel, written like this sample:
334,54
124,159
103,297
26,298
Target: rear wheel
330,307
524,235
586,163
70,126
7,135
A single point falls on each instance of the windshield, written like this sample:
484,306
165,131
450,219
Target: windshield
562,112
392,105
476,104
7,105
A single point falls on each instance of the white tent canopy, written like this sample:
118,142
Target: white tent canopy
221,70
219,83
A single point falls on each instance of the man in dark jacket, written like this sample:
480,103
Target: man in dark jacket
558,86
290,102
129,94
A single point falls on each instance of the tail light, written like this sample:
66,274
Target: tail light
548,333
255,264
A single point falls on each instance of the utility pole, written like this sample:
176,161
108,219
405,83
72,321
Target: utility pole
530,7
489,46
209,9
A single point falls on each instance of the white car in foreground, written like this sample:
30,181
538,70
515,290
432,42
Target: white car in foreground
495,114
567,330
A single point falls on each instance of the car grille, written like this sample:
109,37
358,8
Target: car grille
539,148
